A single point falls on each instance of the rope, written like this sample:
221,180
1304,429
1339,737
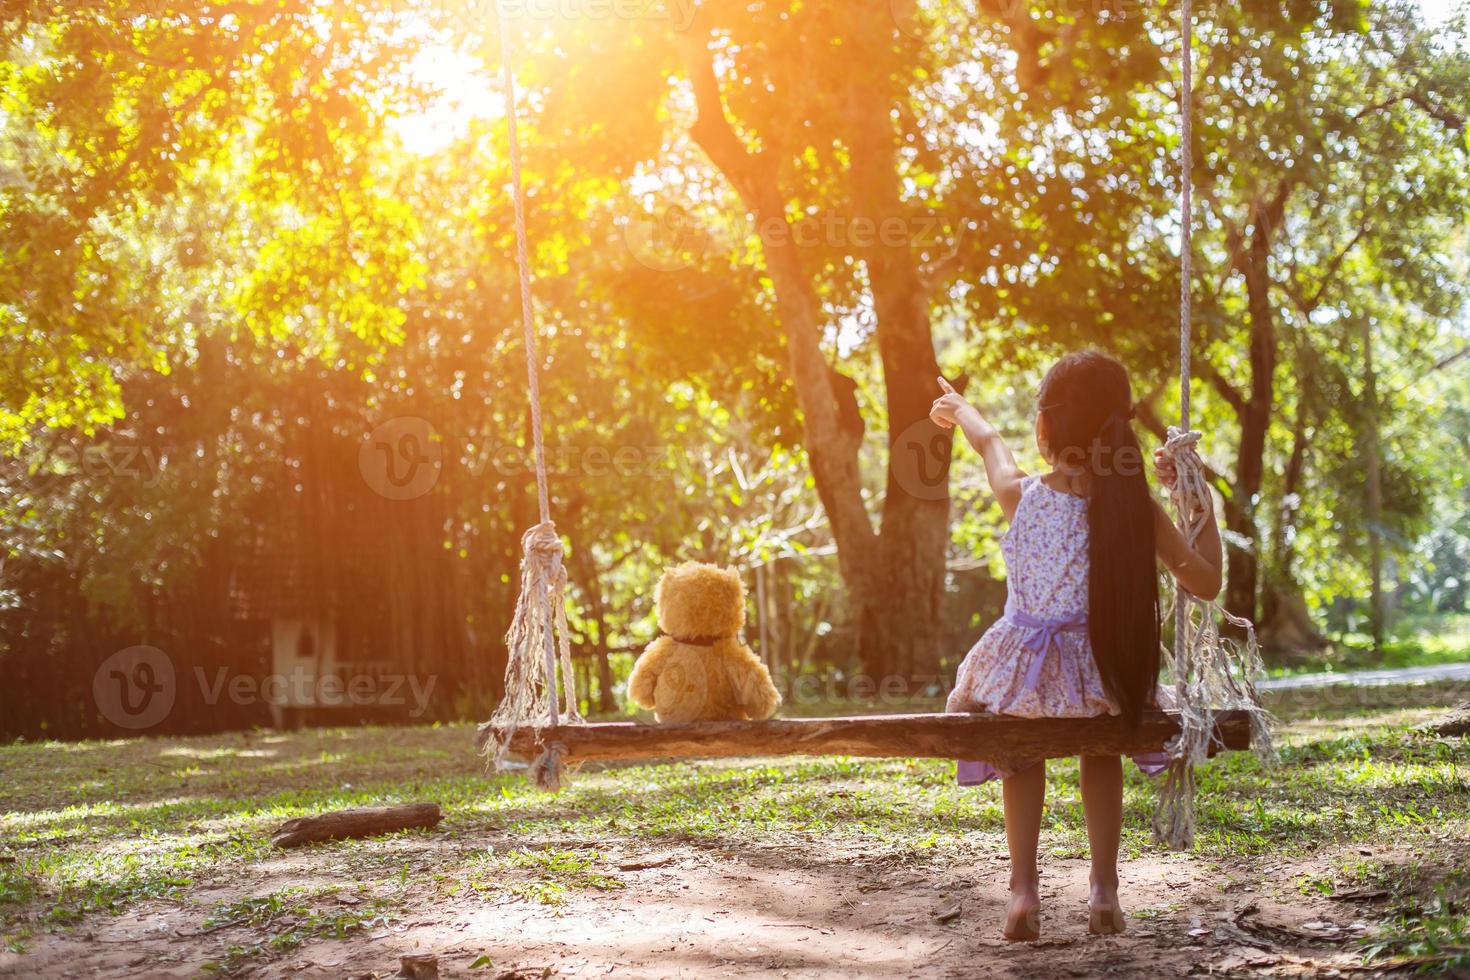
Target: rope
1186,326
523,269
539,636
548,770
1186,207
1174,818
1210,672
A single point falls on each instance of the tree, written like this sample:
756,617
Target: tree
831,131
1329,147
1306,201
111,109
895,572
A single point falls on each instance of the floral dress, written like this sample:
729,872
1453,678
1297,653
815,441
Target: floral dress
1036,660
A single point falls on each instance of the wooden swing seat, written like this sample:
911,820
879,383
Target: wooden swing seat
1006,741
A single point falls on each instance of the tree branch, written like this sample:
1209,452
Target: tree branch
749,170
1452,120
1445,362
1222,386
1309,305
832,446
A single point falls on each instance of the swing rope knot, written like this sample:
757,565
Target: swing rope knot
1181,440
538,639
549,768
1190,494
542,545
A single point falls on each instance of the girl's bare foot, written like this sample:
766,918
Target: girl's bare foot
1104,913
1023,918
1105,920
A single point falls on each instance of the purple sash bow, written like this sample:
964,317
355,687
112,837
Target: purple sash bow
1041,635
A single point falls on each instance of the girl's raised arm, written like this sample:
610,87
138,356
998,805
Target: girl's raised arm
951,409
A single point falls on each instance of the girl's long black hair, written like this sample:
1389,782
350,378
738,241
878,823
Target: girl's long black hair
1087,407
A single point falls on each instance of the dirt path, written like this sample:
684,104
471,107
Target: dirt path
699,912
1370,678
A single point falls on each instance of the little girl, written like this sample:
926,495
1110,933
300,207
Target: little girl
1080,634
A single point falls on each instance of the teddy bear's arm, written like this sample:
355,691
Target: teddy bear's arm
752,685
644,679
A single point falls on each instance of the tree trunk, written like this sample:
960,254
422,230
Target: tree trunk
1373,459
905,627
1287,629
592,587
1288,633
1254,412
894,581
902,623
1291,478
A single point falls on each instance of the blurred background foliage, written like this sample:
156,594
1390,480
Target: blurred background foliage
241,243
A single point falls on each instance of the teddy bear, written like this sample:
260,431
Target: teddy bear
700,671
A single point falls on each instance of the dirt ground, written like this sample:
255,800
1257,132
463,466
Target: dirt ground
152,858
691,911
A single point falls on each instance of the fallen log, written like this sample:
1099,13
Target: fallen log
1003,740
358,822
418,966
1455,722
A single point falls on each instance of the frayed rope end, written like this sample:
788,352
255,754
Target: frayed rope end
1173,820
548,769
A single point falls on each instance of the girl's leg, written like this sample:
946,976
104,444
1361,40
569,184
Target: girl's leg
1024,794
1102,805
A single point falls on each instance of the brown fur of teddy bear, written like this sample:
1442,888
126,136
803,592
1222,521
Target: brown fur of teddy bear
701,671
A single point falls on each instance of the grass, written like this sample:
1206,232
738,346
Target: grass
1428,908
1416,642
1432,937
95,829
290,917
555,872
